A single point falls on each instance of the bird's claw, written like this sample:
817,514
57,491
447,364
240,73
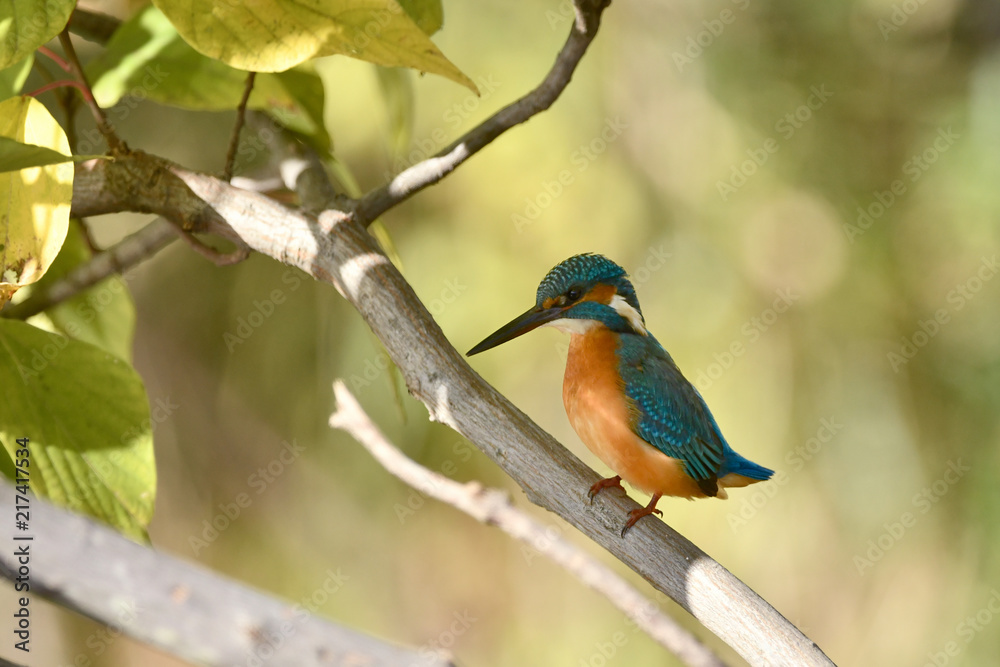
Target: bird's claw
635,515
599,486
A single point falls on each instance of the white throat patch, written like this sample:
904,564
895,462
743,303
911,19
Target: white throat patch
630,314
572,326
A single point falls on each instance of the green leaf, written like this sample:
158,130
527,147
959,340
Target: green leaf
147,59
27,24
427,14
306,87
102,315
15,156
34,202
87,418
274,35
13,77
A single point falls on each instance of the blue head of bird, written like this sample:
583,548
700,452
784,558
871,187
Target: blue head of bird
575,295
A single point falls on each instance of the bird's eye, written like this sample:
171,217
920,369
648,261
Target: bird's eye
573,294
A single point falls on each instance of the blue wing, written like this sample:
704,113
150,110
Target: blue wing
668,412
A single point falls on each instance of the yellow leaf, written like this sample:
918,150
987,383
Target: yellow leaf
34,202
274,35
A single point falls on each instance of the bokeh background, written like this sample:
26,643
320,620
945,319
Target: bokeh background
806,195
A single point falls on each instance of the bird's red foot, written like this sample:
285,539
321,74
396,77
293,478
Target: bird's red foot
635,515
610,482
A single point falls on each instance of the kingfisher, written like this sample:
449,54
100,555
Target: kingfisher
624,395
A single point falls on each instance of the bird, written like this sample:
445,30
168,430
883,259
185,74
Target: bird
624,395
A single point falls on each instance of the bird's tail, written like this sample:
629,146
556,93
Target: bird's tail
734,464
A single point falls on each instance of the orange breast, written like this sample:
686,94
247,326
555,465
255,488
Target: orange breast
596,405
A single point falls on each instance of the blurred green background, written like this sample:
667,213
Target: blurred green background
806,195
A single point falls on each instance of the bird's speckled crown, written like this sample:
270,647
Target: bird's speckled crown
585,271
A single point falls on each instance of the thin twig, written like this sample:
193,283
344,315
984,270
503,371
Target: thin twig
56,58
66,99
116,145
433,169
65,83
120,257
493,507
234,141
213,255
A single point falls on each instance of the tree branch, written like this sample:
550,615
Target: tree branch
337,250
117,259
185,610
493,507
430,171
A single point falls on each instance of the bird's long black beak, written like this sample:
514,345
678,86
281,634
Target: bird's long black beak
522,324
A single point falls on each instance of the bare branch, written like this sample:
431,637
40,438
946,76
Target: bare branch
493,507
337,250
432,170
117,259
185,610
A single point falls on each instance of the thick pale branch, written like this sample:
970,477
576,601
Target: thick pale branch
492,506
338,250
430,171
185,610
